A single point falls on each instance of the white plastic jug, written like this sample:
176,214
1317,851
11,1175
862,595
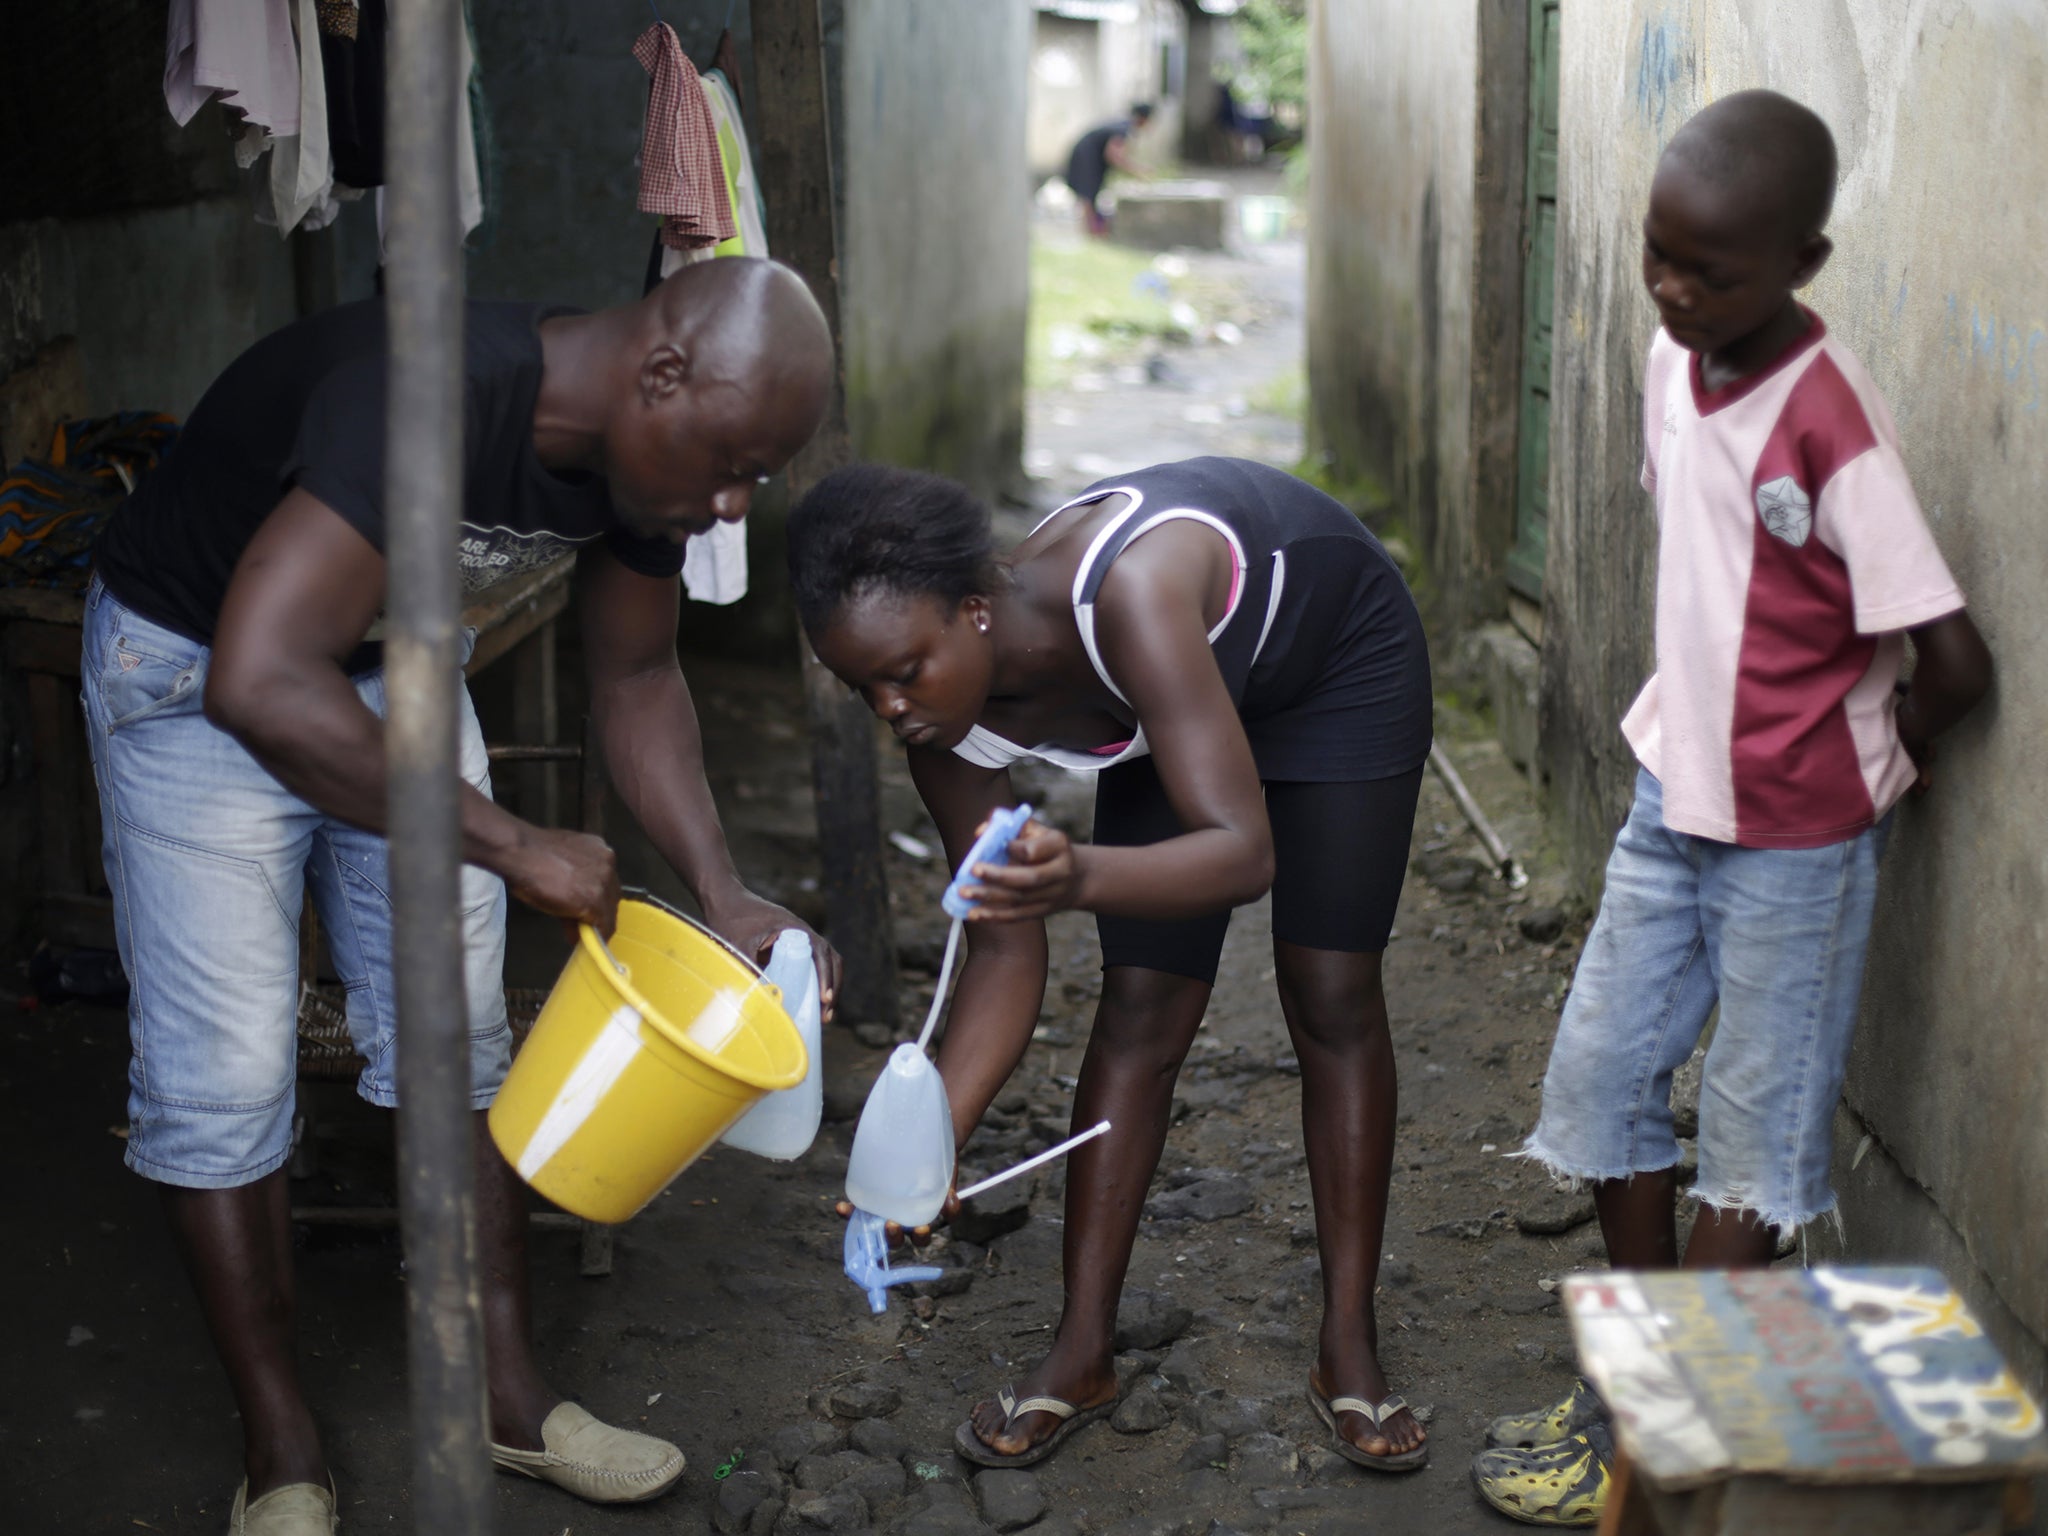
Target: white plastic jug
783,1124
902,1162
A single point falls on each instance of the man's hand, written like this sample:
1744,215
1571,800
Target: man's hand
751,925
570,875
1044,876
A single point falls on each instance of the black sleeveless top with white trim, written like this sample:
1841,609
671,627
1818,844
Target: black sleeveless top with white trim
1320,646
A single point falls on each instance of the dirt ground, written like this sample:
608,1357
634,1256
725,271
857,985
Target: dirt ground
727,1324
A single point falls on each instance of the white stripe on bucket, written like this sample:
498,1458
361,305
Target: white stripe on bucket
589,1081
717,1022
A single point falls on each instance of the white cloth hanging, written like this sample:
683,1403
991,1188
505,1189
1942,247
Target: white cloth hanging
715,562
469,183
241,50
301,169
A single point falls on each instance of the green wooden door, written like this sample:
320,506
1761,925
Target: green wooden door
1539,245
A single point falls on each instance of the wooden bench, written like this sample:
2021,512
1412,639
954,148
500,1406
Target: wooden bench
1787,1402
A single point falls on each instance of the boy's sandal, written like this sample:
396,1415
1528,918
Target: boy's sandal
1327,1409
972,1447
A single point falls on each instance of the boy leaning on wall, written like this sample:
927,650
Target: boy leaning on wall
1773,741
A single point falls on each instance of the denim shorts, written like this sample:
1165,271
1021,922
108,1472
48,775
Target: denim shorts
208,859
1776,936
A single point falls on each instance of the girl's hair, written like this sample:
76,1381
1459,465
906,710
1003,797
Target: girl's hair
871,527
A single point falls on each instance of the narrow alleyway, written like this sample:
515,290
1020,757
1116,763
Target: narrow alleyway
728,1325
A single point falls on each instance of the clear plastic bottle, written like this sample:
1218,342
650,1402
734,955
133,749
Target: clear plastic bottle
784,1123
902,1162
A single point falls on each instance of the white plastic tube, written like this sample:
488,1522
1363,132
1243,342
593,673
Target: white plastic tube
945,976
1030,1163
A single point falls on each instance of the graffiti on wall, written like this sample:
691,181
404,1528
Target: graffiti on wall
1981,338
1664,62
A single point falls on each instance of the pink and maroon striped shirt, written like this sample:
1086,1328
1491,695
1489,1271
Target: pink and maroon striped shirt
1791,555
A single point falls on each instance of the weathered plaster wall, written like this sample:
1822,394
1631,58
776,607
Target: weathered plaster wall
567,103
1392,91
1940,284
135,237
936,238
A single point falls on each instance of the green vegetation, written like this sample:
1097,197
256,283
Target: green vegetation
1360,490
1274,34
1284,395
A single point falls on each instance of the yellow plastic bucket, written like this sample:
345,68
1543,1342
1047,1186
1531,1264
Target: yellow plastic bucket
625,1080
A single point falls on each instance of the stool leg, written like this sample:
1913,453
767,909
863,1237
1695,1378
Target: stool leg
2019,1503
1628,1510
591,783
597,1250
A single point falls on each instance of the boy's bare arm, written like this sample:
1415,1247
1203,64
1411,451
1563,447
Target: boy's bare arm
1951,673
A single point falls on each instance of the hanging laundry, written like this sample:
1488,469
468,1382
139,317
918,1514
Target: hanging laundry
743,192
301,171
469,185
352,59
338,18
715,564
680,174
240,50
478,193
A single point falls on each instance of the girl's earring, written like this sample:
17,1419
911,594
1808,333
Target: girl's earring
982,625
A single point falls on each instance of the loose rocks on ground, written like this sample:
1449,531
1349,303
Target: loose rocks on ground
865,1400
1149,1320
1009,1499
1140,1413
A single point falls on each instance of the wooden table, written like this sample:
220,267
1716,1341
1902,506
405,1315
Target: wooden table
1823,1402
515,620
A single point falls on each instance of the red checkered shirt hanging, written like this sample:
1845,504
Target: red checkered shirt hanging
681,176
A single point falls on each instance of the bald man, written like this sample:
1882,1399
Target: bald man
234,687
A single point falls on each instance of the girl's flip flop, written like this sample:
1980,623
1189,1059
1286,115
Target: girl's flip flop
1327,1409
973,1448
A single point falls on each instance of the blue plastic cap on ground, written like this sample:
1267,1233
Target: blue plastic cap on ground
867,1260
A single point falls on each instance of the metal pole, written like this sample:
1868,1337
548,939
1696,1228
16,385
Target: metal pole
423,493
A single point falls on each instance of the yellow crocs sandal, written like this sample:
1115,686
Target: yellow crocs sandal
1547,1426
1558,1485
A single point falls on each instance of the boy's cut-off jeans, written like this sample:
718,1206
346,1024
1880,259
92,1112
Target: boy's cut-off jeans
1777,937
208,859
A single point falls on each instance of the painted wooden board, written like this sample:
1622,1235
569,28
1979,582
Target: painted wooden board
1843,1375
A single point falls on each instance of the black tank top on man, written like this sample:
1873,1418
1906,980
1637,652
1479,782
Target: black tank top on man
305,407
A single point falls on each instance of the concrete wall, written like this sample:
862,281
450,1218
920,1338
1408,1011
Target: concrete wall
1066,88
1393,87
1940,284
936,239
